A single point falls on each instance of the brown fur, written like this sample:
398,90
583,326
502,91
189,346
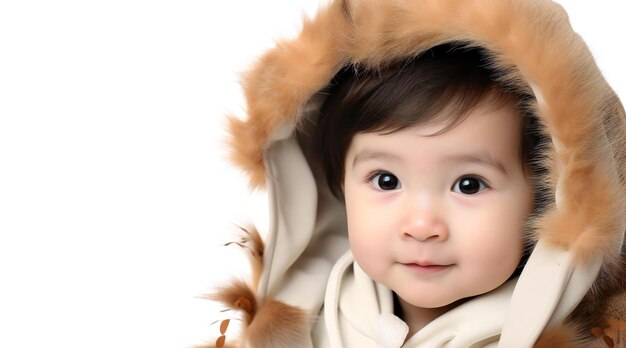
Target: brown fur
279,85
285,323
560,337
277,325
617,307
530,40
270,324
237,295
253,242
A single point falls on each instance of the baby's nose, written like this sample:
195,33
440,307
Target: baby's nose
425,226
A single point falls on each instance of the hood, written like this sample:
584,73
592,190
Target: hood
579,239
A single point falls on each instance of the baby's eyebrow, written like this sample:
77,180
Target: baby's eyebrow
482,158
367,154
478,158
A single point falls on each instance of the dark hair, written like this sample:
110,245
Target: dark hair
442,85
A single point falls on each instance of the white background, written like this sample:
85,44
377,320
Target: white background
115,194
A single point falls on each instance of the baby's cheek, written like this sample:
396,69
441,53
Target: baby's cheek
360,244
499,261
366,252
503,261
364,232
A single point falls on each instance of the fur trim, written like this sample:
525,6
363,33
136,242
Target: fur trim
277,325
612,335
251,240
238,296
280,84
560,337
617,307
268,324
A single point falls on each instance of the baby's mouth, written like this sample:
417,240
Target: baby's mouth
426,268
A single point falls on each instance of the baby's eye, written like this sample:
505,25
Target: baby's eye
469,185
384,181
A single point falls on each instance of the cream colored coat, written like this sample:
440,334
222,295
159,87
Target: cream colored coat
358,312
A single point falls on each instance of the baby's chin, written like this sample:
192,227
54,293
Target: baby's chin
434,302
431,304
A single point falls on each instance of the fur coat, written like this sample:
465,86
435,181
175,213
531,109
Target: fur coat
571,293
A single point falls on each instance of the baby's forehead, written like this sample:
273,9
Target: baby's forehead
455,111
489,117
483,128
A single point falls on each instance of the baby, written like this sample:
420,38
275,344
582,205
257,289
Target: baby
439,174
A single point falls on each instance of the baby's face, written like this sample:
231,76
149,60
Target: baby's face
437,219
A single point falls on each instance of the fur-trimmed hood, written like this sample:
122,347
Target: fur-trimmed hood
573,281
